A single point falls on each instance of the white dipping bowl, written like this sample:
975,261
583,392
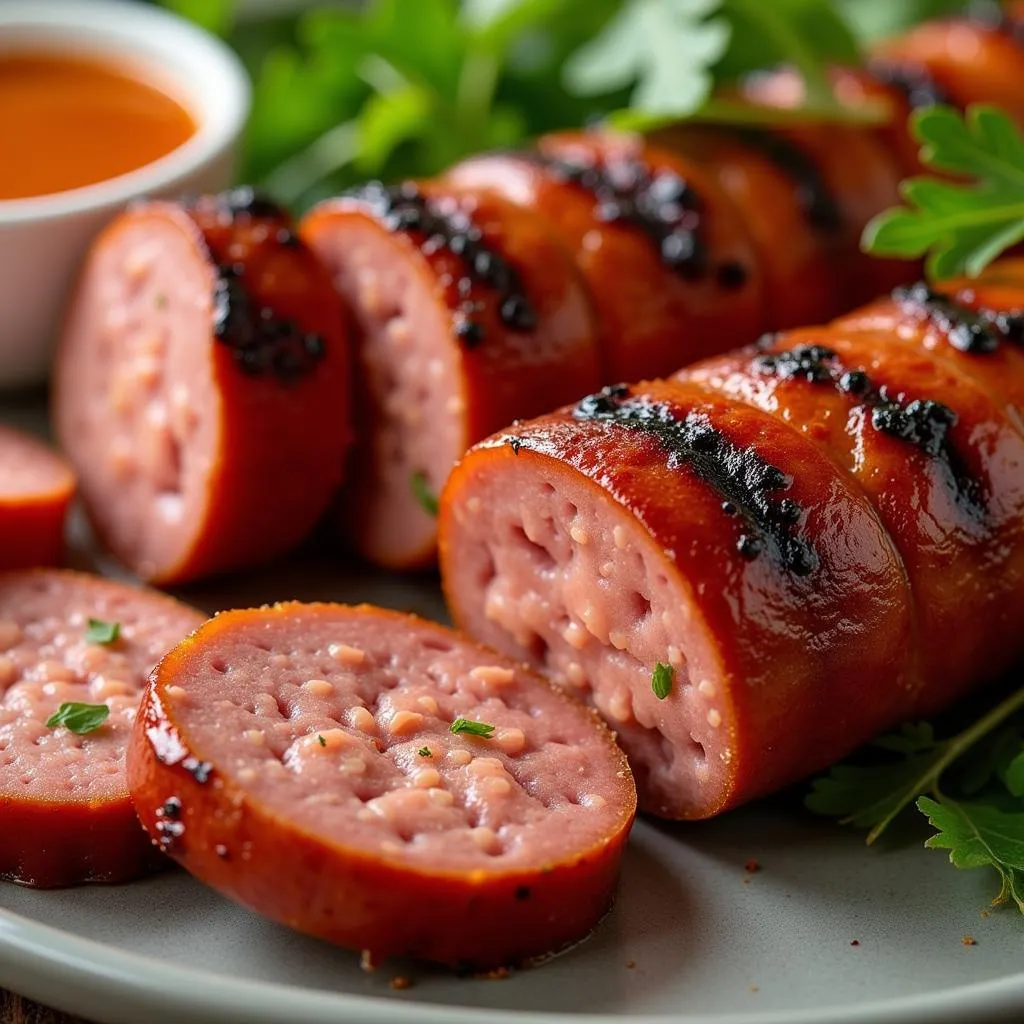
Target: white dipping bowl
43,239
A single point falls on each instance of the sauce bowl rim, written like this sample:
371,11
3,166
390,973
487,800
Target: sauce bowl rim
140,35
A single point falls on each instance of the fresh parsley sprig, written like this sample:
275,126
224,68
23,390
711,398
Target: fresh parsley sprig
969,786
961,225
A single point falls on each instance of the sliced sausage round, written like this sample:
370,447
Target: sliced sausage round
201,386
670,264
383,783
71,639
702,573
36,488
467,315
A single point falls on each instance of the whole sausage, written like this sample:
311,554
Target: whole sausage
201,386
467,316
753,568
383,783
69,638
669,262
36,488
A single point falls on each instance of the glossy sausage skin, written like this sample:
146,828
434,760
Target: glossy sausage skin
65,815
36,489
671,267
971,60
300,759
822,535
202,386
467,315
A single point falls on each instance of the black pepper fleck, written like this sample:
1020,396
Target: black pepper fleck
199,770
745,481
523,892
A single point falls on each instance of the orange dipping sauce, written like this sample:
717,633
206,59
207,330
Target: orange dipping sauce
69,120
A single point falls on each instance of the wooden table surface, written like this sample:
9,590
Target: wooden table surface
15,1010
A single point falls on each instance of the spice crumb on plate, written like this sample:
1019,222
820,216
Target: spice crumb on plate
969,940
752,866
854,942
400,983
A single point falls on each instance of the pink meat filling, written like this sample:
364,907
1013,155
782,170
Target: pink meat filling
28,467
552,569
46,660
341,725
410,403
138,411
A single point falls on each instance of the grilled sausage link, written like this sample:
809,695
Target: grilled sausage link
755,566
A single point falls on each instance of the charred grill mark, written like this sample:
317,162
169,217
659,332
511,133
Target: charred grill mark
912,80
923,423
974,331
747,484
404,208
659,203
260,342
813,193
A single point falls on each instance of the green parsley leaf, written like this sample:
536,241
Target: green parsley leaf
99,632
464,725
876,19
79,718
423,494
872,795
978,835
321,740
661,680
424,752
962,227
668,48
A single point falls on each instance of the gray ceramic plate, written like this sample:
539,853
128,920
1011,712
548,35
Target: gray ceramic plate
694,937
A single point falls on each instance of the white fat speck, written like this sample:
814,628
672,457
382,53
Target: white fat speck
318,687
714,718
575,636
619,537
580,535
345,654
706,688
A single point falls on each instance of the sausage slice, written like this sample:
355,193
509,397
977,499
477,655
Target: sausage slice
36,488
383,783
69,638
201,387
468,315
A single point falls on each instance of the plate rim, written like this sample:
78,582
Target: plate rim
102,968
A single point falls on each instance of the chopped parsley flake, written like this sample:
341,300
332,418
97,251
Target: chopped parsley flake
461,725
100,632
661,680
79,718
